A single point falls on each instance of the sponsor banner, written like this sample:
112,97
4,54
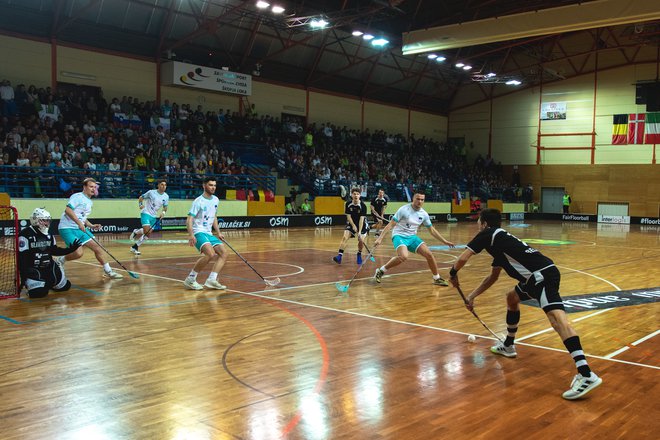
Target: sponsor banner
207,78
108,226
276,221
620,219
553,110
607,300
647,221
577,217
517,216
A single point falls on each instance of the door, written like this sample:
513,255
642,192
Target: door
552,200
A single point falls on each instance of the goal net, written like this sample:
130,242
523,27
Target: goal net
8,252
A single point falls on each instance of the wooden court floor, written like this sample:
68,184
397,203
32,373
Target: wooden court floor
147,359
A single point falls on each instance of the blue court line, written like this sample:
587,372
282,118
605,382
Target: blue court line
13,321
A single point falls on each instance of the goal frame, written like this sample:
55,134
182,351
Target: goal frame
8,224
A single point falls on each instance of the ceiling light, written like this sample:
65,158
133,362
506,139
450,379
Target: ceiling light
467,67
368,37
440,59
262,4
431,56
491,74
277,9
513,82
318,23
459,65
357,33
379,42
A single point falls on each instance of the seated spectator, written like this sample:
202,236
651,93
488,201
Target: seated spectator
306,208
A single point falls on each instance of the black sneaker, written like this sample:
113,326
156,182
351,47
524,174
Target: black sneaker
337,259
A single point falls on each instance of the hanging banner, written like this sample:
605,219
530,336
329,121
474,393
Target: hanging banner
553,110
208,78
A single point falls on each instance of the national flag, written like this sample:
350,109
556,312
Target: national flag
123,120
636,128
652,128
620,130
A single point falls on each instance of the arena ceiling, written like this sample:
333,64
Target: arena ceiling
283,48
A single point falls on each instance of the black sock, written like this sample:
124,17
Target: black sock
341,252
512,320
574,348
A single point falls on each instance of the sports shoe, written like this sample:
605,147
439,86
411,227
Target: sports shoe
337,259
113,275
135,250
214,284
378,275
582,385
500,348
359,259
192,284
440,282
132,236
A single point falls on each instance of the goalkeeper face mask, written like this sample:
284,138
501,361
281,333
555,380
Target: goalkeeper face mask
40,219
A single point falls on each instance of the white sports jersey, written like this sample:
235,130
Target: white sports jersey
82,207
203,210
153,201
408,220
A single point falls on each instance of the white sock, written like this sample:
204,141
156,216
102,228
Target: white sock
383,269
138,231
213,276
140,240
107,268
192,275
436,277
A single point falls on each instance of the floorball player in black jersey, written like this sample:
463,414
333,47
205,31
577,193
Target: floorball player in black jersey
378,205
356,220
36,247
538,279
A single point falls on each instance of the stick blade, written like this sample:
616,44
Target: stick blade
341,287
272,282
133,275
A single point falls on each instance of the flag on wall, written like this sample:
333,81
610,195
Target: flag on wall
652,130
620,130
636,128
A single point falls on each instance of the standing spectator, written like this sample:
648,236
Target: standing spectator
7,103
566,201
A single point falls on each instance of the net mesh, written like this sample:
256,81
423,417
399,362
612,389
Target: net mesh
8,252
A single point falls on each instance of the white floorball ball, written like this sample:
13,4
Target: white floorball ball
472,338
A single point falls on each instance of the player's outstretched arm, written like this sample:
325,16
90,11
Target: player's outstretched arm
439,236
58,251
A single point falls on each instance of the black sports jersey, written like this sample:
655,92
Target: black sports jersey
36,250
355,211
379,204
516,257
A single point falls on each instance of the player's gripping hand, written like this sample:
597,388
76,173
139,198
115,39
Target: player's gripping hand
75,245
192,240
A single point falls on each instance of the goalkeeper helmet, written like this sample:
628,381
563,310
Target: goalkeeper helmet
40,219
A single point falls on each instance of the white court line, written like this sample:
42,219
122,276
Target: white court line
380,318
531,335
627,347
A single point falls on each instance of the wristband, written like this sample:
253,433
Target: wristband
453,272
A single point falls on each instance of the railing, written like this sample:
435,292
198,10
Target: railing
51,182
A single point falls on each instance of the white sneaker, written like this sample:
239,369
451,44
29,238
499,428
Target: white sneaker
135,250
582,385
113,275
500,348
214,284
192,284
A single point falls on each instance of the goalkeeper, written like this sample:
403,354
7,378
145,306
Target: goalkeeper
36,247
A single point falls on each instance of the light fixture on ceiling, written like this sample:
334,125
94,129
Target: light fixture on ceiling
491,74
379,42
513,82
262,5
459,65
368,37
431,56
440,59
318,23
357,33
277,9
467,67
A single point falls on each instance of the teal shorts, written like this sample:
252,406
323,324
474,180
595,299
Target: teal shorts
71,235
147,220
412,242
203,238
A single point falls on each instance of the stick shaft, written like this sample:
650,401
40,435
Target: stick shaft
460,292
244,260
107,251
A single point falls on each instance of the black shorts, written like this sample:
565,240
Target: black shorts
365,229
40,281
543,286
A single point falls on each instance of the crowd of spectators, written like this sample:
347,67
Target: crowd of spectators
62,133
